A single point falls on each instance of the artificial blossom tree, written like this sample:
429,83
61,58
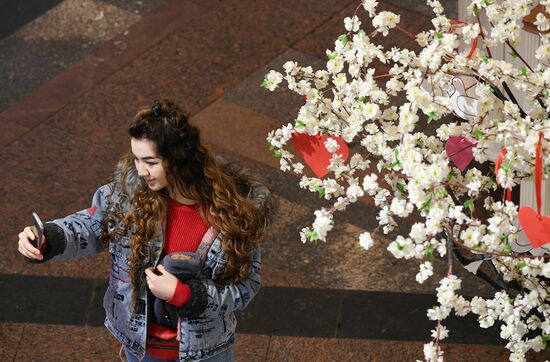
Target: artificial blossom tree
417,130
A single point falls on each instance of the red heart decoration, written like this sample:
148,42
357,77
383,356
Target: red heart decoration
536,229
460,151
92,210
315,154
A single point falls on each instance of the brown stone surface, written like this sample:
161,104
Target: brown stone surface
237,129
194,66
79,19
281,104
10,131
10,339
67,343
250,347
323,37
79,78
320,349
273,277
53,173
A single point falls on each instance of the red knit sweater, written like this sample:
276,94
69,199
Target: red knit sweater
185,229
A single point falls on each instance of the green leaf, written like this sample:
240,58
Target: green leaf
469,204
440,193
506,166
278,153
362,99
325,131
264,84
513,54
299,124
523,70
343,39
431,116
396,163
320,190
312,235
400,187
400,247
478,134
332,55
361,32
430,252
426,204
522,264
438,36
451,175
507,249
485,59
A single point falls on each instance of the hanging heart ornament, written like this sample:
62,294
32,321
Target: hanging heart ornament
460,151
535,226
315,154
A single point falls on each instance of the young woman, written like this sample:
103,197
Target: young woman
169,198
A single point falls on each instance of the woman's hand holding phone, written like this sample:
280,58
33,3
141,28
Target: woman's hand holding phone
26,247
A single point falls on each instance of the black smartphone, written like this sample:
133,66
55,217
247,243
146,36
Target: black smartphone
38,230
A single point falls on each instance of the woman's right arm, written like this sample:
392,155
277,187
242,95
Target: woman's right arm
72,237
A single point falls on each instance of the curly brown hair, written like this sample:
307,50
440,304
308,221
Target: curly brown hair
192,170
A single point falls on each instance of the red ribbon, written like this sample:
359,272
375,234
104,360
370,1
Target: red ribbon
538,174
473,48
474,44
498,163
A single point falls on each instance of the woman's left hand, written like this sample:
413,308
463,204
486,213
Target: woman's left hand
162,286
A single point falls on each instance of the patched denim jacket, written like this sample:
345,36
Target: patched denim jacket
210,326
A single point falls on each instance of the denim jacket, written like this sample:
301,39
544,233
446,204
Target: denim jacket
207,322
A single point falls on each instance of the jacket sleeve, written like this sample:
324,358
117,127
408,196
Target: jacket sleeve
77,235
210,300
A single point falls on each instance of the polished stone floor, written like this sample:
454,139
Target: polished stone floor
77,74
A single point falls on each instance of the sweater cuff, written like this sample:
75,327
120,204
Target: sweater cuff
181,295
54,243
197,302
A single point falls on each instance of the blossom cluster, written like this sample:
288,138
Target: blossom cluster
405,170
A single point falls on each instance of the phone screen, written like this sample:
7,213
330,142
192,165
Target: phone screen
38,230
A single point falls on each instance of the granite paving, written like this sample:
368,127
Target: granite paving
42,48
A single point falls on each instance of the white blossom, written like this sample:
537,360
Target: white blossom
273,79
440,333
426,271
370,6
384,21
352,24
365,241
331,145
